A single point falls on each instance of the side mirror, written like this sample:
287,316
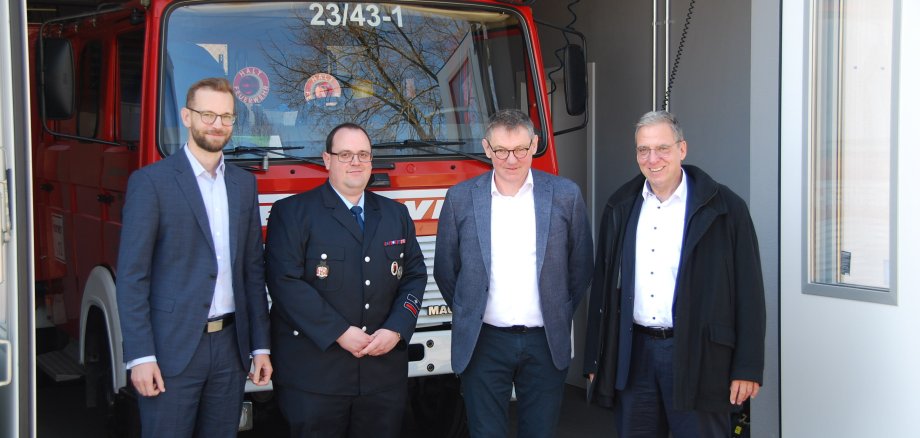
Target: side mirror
57,81
576,80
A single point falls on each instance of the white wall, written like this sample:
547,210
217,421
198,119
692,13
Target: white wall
848,368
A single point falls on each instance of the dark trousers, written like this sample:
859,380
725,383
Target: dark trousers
645,408
205,399
524,360
311,415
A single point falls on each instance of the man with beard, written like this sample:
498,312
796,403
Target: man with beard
191,291
346,276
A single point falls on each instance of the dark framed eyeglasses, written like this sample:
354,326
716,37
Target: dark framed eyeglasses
502,154
207,117
349,156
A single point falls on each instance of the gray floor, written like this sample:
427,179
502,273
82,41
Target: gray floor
61,414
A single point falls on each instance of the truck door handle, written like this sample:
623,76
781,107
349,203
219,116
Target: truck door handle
105,198
46,187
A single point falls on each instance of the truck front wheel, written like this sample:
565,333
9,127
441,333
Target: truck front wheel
436,408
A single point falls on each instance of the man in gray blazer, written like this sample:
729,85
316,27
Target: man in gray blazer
514,259
191,290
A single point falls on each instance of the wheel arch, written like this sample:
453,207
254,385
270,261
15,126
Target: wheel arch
99,299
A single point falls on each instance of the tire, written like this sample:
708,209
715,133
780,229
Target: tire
436,408
120,409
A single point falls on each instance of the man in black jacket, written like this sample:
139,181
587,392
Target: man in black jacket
677,316
346,277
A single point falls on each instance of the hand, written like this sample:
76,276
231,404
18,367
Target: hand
741,390
147,379
354,340
590,377
262,370
382,342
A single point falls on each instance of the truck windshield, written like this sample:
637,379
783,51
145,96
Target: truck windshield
404,72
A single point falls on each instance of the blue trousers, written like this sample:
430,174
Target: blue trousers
645,407
524,360
205,399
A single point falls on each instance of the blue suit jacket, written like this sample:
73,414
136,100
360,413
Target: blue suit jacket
463,260
167,266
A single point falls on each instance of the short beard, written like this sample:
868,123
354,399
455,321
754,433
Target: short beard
202,141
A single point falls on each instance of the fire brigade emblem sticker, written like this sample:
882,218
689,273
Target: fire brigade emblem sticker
250,85
323,89
322,269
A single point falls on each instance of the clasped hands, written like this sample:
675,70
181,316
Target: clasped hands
361,344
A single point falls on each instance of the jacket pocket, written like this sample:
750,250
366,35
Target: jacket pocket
722,334
325,267
162,304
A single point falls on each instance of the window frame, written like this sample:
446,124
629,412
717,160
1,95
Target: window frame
809,249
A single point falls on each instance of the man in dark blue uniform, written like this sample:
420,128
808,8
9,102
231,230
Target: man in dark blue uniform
346,276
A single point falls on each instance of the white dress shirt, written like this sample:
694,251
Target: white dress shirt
514,295
659,238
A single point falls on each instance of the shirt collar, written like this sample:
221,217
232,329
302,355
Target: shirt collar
679,193
528,184
346,201
197,168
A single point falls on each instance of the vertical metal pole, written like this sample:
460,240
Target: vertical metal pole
654,53
667,50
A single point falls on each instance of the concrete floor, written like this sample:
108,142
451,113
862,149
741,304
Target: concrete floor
61,414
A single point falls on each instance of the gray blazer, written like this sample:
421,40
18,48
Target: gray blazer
167,267
463,260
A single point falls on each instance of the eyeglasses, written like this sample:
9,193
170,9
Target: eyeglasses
503,154
208,117
348,156
662,151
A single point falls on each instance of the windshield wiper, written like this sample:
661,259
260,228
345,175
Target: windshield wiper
257,150
424,144
265,151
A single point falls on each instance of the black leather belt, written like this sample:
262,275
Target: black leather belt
655,332
219,323
514,328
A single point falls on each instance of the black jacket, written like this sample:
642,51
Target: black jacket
718,312
360,285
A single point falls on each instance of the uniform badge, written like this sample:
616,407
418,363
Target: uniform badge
322,269
395,269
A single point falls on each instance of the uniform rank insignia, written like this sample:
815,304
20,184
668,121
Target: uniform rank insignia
322,269
412,304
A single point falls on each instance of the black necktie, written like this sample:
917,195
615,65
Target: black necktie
357,212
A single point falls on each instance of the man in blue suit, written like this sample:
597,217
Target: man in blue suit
514,259
191,290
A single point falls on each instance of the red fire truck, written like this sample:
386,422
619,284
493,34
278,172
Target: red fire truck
421,76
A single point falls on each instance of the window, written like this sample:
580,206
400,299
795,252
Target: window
88,90
851,149
130,64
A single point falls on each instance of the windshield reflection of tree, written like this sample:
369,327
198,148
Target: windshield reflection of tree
388,74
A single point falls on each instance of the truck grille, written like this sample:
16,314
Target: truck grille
434,310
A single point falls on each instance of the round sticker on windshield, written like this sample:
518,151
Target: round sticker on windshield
250,85
323,88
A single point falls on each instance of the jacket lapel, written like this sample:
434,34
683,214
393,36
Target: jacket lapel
371,218
542,203
188,184
233,208
332,201
482,209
